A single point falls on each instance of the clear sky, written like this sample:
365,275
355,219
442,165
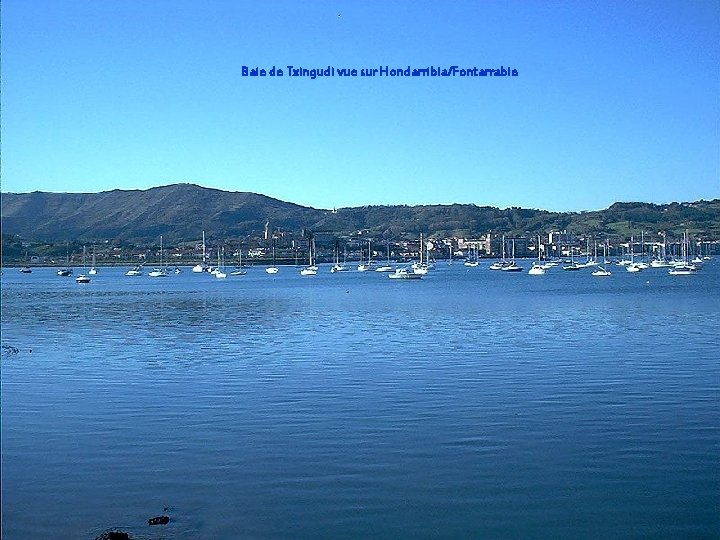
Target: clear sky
614,100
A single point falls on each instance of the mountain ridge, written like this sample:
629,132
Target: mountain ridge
180,211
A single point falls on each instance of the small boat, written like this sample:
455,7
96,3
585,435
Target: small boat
26,269
240,268
512,267
272,269
386,267
474,261
312,268
601,270
219,272
135,271
683,270
537,268
83,278
683,267
67,271
403,273
159,272
365,267
93,270
502,263
202,267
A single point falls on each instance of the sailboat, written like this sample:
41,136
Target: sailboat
239,270
421,267
272,269
472,261
67,271
499,265
537,268
633,266
404,273
513,266
26,269
364,267
573,265
82,278
311,269
684,268
202,267
135,271
159,272
93,270
601,270
337,267
386,267
220,270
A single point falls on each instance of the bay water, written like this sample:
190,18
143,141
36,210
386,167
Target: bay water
468,404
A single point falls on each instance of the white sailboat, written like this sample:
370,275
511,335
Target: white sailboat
83,278
684,268
311,269
160,271
26,269
272,269
135,271
337,267
220,270
473,260
499,265
601,270
66,271
202,267
93,270
537,268
386,267
239,269
513,266
633,266
573,265
422,266
364,267
404,273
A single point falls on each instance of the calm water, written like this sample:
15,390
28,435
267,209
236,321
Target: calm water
470,404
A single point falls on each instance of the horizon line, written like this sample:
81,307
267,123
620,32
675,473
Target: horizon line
336,208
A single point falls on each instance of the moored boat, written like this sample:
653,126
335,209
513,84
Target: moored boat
404,273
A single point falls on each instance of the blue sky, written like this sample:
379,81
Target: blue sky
614,101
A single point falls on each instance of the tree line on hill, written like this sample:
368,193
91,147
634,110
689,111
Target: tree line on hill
180,212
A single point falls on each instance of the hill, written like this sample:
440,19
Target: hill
180,212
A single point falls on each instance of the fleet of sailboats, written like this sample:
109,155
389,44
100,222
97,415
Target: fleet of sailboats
683,259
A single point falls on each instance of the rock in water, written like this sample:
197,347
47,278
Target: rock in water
159,520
